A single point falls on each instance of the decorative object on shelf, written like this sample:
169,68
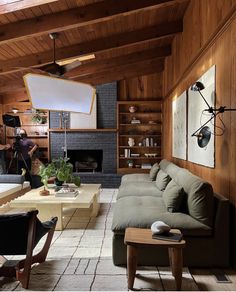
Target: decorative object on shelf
152,122
146,166
134,154
135,121
127,152
133,109
137,165
140,144
131,142
130,163
38,118
150,154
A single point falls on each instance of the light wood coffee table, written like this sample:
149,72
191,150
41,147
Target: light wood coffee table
138,237
50,206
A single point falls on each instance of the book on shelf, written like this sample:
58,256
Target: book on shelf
146,166
169,236
127,153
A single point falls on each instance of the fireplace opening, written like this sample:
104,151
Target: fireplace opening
86,160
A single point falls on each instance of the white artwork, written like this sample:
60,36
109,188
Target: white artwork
85,121
179,127
197,117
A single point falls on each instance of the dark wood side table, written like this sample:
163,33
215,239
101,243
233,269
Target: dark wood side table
138,237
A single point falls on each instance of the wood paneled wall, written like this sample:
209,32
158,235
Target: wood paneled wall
209,38
148,87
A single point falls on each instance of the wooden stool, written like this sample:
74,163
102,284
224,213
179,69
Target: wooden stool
138,237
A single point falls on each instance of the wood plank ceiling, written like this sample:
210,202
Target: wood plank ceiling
129,38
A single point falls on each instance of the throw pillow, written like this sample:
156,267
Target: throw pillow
153,171
173,196
162,180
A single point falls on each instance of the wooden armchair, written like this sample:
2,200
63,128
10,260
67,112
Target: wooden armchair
20,233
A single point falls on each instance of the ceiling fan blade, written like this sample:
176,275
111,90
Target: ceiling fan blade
71,66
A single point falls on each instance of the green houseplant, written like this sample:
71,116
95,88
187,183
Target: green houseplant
61,170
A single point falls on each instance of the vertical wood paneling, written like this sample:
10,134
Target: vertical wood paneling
222,53
147,87
183,69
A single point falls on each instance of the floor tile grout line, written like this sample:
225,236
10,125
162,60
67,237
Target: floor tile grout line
73,252
99,257
162,284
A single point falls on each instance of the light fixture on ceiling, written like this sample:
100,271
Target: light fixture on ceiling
203,133
80,59
15,110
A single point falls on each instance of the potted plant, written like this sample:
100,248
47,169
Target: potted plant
38,118
61,170
130,163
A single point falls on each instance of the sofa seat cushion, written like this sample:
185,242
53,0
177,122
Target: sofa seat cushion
135,177
141,212
8,189
138,189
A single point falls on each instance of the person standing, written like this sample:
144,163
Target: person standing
26,149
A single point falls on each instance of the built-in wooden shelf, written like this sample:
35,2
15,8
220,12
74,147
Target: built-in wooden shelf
140,135
132,170
82,130
141,157
139,147
141,114
150,125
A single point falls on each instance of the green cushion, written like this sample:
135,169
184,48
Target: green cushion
200,196
173,196
162,180
141,212
153,171
138,188
136,177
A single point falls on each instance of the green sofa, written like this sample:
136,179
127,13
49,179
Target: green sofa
203,218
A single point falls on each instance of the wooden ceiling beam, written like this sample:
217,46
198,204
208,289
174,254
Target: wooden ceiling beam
98,45
94,67
7,6
124,72
76,17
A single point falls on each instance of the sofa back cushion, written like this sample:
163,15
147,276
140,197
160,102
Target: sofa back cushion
153,171
173,196
200,197
162,180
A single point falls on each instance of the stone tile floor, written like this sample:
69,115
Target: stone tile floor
80,259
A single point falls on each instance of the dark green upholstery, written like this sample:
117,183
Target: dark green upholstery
129,188
204,223
173,196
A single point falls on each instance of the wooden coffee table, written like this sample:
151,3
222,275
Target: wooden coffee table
138,237
50,206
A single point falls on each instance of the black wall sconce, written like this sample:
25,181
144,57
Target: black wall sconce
203,133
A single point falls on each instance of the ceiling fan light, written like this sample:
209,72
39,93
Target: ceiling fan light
81,59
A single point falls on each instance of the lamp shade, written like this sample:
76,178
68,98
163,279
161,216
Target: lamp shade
56,94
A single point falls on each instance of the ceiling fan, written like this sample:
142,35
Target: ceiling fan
58,68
